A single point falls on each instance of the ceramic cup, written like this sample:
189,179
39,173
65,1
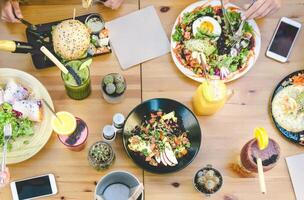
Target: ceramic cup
116,180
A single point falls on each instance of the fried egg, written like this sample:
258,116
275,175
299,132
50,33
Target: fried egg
206,25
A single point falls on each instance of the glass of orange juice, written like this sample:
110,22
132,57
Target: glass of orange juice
210,97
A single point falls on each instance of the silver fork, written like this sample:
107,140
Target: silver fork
7,136
238,34
225,16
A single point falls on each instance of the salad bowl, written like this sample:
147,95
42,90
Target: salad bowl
225,62
186,119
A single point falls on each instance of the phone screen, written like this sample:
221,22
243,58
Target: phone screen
283,39
34,187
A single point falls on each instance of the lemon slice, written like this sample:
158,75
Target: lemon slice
86,64
64,124
262,137
214,90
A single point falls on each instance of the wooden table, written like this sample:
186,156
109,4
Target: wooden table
223,134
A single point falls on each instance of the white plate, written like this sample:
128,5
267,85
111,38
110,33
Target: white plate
252,60
42,130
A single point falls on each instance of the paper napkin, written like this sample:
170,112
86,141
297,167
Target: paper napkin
138,37
295,166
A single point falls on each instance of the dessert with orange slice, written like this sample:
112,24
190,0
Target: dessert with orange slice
71,131
261,147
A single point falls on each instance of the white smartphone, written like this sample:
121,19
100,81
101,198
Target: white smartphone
283,39
34,187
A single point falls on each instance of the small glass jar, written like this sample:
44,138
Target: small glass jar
101,155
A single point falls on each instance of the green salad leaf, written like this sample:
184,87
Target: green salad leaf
225,61
192,16
178,35
234,18
247,28
20,126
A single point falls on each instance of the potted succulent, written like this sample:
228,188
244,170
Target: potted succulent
101,155
113,87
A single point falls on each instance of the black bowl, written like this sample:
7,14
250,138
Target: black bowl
189,122
295,137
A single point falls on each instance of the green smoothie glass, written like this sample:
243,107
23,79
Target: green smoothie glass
74,91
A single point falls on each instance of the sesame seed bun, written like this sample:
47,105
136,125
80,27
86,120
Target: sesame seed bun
71,39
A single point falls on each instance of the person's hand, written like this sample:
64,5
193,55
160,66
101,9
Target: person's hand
261,8
114,4
8,9
6,177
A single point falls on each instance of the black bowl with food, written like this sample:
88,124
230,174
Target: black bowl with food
162,135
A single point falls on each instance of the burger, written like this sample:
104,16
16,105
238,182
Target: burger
71,39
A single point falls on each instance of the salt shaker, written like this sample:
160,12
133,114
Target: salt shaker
108,133
118,122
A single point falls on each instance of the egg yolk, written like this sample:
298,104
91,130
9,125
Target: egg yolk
207,26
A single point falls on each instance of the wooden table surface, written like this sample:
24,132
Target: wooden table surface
224,134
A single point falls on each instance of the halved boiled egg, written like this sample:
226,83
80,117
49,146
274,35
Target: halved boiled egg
206,25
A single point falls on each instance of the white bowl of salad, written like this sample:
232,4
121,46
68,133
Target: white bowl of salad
201,32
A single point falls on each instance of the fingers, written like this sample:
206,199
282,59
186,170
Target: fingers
266,12
17,10
7,13
261,8
254,8
261,12
114,4
108,3
5,176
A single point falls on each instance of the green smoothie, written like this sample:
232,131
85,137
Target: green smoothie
73,90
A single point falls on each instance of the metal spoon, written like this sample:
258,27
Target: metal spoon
52,111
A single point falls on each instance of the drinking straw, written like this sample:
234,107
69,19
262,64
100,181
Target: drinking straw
261,176
64,69
54,59
261,135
